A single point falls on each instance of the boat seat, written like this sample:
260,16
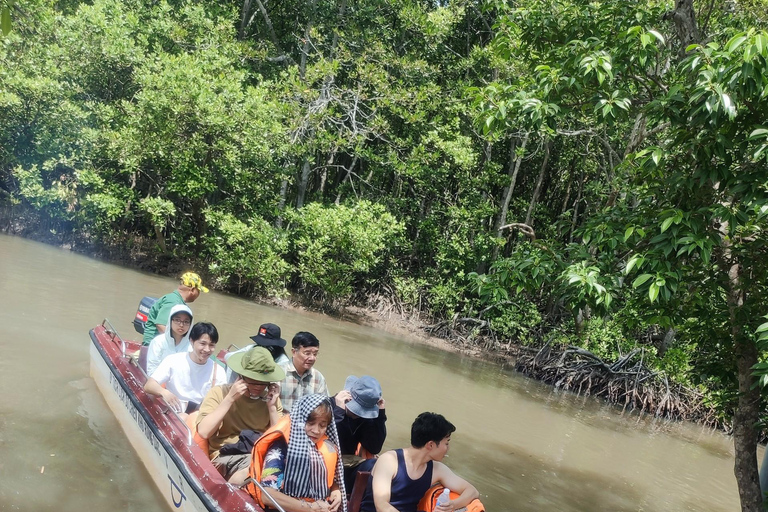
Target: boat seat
143,357
356,496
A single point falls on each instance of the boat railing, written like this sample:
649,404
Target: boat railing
113,335
264,492
190,436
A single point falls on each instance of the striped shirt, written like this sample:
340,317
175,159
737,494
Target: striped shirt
294,386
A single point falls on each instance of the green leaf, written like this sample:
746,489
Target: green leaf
762,328
5,20
653,292
628,232
641,280
656,156
761,43
658,36
633,261
667,222
735,42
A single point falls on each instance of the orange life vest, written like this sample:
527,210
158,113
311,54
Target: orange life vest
429,501
283,429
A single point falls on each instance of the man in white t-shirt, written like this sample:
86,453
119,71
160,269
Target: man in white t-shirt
190,375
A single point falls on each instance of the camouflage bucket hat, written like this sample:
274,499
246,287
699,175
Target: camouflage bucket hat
193,280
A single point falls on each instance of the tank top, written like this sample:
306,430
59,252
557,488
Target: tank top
406,493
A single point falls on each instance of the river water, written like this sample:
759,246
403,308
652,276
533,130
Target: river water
523,445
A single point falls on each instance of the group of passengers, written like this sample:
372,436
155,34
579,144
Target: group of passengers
268,418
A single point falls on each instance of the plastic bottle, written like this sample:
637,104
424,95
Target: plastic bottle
444,497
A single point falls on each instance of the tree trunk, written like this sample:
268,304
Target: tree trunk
747,410
281,203
576,205
306,169
346,177
160,239
684,17
539,181
744,433
244,19
514,168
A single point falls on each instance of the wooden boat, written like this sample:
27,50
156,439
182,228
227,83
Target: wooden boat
179,468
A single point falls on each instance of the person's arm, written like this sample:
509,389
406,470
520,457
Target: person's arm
383,473
320,386
160,328
290,504
443,474
211,422
374,433
154,388
155,354
339,404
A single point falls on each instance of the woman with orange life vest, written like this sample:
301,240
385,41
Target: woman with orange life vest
297,461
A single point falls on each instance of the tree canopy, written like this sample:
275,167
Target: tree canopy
535,173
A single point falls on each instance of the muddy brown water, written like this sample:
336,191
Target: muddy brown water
523,445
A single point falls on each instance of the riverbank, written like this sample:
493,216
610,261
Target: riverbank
626,382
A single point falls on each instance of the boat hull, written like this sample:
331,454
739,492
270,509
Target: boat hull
181,471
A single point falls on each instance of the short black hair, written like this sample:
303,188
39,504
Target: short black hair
305,339
201,328
430,426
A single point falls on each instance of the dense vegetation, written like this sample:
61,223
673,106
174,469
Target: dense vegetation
555,173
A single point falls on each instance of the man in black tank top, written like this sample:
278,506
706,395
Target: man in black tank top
402,477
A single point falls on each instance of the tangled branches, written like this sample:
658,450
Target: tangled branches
626,382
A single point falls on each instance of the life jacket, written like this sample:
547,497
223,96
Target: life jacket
362,452
429,502
283,429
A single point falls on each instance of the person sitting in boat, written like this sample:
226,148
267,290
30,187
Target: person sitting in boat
297,460
267,337
358,411
301,378
188,376
402,477
190,286
249,406
174,340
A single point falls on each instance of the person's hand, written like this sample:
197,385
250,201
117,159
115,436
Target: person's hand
172,400
334,500
381,403
320,506
273,393
238,389
448,507
342,397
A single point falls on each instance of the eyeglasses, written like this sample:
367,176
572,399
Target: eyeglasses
181,322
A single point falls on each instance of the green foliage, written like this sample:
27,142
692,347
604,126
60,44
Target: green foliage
336,247
530,269
157,209
518,319
584,286
605,339
247,256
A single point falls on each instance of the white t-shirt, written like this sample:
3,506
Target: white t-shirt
160,348
186,379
